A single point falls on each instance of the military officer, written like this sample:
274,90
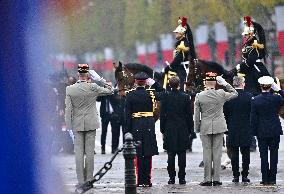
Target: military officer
182,54
267,127
81,116
139,107
212,125
253,54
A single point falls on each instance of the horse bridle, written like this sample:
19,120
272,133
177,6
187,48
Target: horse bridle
126,75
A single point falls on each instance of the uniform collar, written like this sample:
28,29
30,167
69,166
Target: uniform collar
140,88
80,81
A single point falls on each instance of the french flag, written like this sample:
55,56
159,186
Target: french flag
201,35
167,43
141,52
152,54
221,37
91,59
279,12
70,61
108,52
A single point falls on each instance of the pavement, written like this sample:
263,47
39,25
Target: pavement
113,181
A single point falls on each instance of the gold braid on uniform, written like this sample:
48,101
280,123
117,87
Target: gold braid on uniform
257,46
182,48
153,97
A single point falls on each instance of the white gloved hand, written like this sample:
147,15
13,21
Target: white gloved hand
150,81
238,67
275,87
221,81
94,75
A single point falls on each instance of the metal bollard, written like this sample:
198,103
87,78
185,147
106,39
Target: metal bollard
129,153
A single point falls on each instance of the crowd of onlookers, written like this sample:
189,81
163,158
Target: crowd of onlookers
61,137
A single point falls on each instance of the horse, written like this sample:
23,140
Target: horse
124,75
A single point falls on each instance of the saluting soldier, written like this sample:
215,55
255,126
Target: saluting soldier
237,114
209,121
81,116
139,107
253,54
182,54
267,127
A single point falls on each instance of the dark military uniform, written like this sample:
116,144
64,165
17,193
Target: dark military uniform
267,127
251,66
237,115
141,123
176,126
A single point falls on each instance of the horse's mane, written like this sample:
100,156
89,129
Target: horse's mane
215,67
140,67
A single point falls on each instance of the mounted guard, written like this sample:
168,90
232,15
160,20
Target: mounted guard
183,53
253,55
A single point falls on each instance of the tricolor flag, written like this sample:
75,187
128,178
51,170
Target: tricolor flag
141,52
221,37
202,35
152,49
279,12
167,45
26,111
108,52
91,59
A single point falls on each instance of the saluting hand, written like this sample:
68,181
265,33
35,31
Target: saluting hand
221,81
275,87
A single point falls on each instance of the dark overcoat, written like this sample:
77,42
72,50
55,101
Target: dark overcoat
176,121
264,114
237,115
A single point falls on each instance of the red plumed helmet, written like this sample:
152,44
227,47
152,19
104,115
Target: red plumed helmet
248,26
247,21
182,25
183,21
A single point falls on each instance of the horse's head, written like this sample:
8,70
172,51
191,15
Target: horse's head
124,78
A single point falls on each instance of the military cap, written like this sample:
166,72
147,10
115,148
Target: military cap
265,80
83,68
141,76
210,76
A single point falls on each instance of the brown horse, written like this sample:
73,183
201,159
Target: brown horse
124,75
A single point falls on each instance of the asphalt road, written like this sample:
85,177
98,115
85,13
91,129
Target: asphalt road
113,181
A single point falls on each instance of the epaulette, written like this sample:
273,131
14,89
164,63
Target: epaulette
182,47
256,45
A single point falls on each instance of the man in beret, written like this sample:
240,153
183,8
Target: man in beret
212,125
266,126
81,116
